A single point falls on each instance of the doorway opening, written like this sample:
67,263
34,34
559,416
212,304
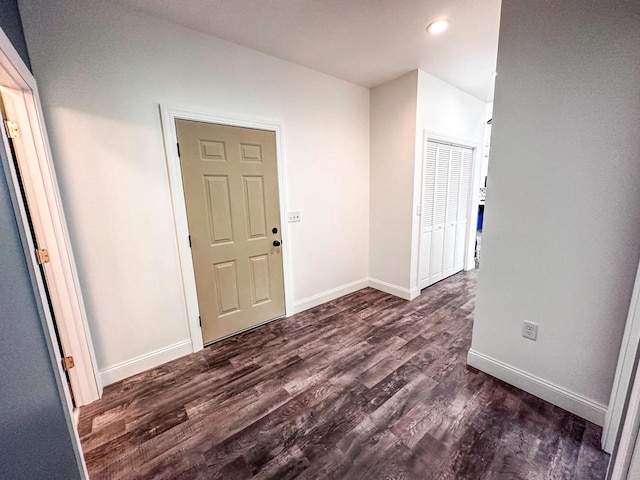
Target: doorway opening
482,190
35,179
41,254
38,212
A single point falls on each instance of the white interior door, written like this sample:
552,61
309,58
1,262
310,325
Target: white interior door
462,219
445,209
437,253
427,210
453,197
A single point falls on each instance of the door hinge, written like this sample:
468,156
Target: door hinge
189,241
68,363
12,129
42,254
178,145
200,321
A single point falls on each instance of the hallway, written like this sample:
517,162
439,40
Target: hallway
367,386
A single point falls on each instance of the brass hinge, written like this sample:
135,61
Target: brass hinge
12,129
68,363
42,254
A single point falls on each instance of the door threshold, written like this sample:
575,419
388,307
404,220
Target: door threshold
244,330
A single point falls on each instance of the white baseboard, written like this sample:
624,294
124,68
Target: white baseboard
565,399
392,289
327,296
145,362
158,357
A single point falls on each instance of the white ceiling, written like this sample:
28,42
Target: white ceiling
367,42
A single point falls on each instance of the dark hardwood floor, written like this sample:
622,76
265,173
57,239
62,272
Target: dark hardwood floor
367,386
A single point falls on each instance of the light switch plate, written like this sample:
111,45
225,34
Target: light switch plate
293,217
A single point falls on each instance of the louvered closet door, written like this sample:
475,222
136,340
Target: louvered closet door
463,209
450,227
446,190
443,158
428,192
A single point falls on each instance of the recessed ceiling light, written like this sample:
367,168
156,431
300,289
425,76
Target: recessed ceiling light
438,26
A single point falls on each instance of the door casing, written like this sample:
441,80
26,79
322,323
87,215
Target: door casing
169,115
33,156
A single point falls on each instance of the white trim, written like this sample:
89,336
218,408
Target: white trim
442,137
328,295
15,74
623,379
43,309
41,187
472,214
47,215
145,362
13,71
561,397
626,447
22,101
190,297
390,288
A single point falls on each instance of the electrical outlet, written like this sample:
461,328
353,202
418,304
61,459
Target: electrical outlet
530,330
294,217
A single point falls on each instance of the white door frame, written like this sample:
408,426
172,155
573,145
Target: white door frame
20,95
623,379
472,214
179,208
625,450
33,155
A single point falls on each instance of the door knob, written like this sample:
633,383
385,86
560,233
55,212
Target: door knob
276,243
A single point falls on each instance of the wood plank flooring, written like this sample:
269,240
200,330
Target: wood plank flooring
367,386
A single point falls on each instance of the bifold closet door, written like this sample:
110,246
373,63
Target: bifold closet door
451,218
446,190
426,220
462,218
439,237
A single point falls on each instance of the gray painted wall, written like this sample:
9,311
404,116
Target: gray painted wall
12,26
561,238
35,436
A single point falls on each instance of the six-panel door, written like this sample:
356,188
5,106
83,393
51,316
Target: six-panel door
230,183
